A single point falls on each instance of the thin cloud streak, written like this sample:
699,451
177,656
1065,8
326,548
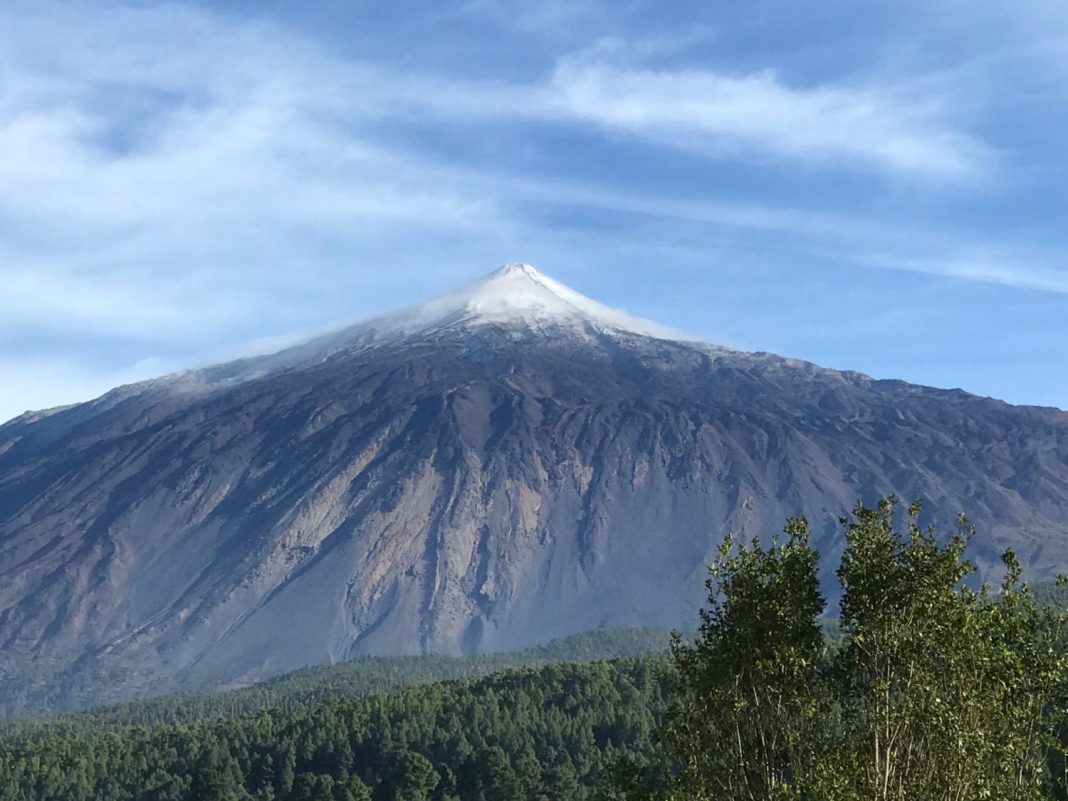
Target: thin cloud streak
848,239
758,116
973,264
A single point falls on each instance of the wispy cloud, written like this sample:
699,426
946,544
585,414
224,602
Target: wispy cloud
758,116
150,173
843,237
906,131
1042,272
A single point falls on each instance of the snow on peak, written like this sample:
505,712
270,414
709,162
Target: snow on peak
514,296
517,294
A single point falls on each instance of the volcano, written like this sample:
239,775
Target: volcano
504,464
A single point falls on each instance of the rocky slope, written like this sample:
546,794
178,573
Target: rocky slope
501,466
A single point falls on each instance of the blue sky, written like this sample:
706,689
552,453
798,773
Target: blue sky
868,185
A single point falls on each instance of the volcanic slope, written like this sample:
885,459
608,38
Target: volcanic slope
500,466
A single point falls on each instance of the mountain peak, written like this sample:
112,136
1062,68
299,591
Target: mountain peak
516,294
517,268
516,297
514,290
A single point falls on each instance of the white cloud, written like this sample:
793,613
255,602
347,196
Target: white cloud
906,131
1040,272
158,164
757,116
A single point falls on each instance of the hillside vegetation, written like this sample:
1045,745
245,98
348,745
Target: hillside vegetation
357,678
547,733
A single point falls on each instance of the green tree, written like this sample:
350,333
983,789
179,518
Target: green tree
214,784
559,781
313,787
945,692
410,776
934,691
352,789
499,780
749,721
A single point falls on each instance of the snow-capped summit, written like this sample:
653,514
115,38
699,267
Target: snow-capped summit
514,294
515,297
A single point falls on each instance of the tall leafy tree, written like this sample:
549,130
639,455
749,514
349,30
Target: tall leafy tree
749,722
932,691
946,693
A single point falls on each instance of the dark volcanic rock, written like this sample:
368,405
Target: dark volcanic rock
472,480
